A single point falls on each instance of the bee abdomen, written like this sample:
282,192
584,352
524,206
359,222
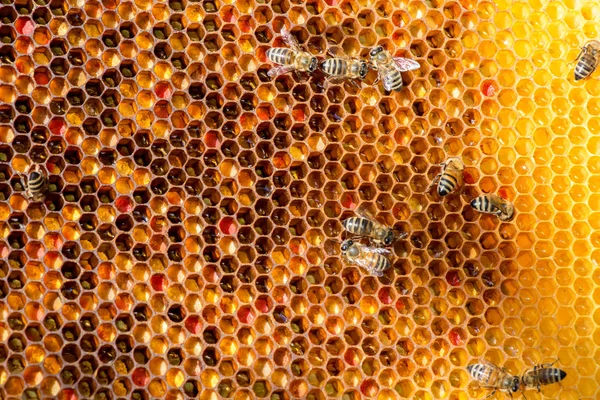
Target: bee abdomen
36,182
395,80
379,263
359,226
483,204
479,372
548,376
447,184
335,66
280,55
585,66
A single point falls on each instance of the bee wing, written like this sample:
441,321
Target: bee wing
364,212
378,250
289,39
280,70
406,64
336,52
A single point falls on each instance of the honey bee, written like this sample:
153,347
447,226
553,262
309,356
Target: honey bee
366,225
450,178
543,374
587,60
390,68
35,183
374,259
490,376
492,204
292,59
340,67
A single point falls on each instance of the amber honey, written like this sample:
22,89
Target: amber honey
188,246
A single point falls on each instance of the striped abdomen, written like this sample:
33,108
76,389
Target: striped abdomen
335,67
359,226
378,263
484,204
281,55
36,183
586,64
543,376
395,79
449,181
483,373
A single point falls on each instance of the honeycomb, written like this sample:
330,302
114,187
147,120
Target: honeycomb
188,246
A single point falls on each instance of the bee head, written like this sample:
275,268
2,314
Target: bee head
364,70
516,384
376,51
313,64
389,238
346,245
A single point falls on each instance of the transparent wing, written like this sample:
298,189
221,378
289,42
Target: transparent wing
280,70
406,64
336,52
289,39
364,212
378,250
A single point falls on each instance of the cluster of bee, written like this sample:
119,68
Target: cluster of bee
340,67
451,179
489,376
34,183
374,257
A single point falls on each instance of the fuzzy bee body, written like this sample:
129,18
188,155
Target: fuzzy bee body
492,204
35,184
541,375
281,55
373,259
490,376
340,67
588,60
391,68
451,177
290,59
366,225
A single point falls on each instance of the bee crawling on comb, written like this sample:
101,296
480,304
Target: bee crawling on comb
587,60
35,183
366,225
373,259
290,59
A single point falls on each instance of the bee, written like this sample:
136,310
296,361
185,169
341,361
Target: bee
543,374
492,204
342,67
374,259
35,183
292,59
450,178
587,60
390,68
366,225
490,376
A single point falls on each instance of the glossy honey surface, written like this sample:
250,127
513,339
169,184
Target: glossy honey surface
189,243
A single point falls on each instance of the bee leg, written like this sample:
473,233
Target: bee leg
433,183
